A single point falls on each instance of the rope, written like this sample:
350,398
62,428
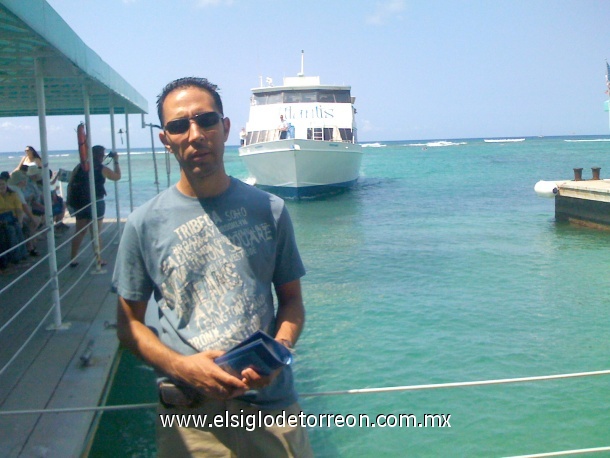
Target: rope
457,384
337,393
80,409
565,452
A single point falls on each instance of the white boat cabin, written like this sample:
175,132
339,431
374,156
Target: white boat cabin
313,111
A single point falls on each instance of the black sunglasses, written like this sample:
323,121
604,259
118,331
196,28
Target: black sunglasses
203,120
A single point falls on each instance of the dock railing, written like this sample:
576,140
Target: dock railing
19,288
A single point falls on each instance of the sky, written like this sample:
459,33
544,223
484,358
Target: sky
419,69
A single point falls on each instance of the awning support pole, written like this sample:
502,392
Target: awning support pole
46,186
116,183
128,161
94,227
152,145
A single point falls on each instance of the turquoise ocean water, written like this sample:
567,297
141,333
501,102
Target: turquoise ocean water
441,266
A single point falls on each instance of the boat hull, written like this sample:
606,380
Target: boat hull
297,168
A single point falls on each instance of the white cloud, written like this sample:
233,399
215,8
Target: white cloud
385,10
11,126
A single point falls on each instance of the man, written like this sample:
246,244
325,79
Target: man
283,128
210,248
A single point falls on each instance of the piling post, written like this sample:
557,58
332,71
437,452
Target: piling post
578,174
595,172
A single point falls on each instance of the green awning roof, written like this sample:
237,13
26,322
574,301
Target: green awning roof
31,29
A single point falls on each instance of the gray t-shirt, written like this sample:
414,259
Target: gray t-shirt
211,264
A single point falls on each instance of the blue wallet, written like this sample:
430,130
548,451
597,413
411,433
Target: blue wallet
260,351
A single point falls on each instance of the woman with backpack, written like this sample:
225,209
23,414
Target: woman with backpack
79,199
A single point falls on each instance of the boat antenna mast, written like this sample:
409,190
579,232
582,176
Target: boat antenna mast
302,72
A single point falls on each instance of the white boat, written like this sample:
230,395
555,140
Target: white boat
317,154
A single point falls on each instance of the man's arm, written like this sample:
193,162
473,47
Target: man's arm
291,312
198,371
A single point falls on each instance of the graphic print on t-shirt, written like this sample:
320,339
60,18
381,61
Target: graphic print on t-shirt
209,280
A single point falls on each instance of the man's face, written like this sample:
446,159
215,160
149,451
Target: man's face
199,151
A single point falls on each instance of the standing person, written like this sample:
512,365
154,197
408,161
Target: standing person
283,127
242,136
31,157
210,248
79,199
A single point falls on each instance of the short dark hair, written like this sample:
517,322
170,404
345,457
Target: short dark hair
98,153
98,149
188,81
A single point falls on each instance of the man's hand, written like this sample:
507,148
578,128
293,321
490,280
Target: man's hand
201,372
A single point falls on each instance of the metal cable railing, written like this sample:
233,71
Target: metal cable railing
54,273
365,391
48,313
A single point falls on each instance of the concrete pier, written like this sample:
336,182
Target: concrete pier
585,202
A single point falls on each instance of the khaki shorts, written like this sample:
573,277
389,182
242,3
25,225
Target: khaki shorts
239,439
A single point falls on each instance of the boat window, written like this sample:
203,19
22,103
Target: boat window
259,99
300,96
346,134
327,97
335,134
293,97
265,137
274,98
342,97
261,136
319,133
334,97
267,98
310,96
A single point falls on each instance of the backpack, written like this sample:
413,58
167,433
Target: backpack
78,188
